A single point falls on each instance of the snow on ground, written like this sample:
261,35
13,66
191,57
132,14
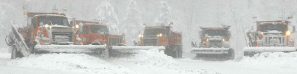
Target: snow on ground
155,62
4,53
69,62
266,63
286,61
144,62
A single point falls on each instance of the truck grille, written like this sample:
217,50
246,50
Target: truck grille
275,41
150,42
63,37
113,41
215,43
62,33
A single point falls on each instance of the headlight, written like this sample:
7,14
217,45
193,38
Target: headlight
76,26
262,33
206,40
51,26
140,35
223,40
288,33
46,25
159,35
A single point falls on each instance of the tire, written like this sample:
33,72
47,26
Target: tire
249,54
174,52
180,52
231,54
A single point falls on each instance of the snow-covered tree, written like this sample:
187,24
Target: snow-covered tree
132,22
108,16
165,16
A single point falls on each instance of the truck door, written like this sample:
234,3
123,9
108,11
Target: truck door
32,29
85,34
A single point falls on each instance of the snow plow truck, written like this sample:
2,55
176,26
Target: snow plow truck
46,33
95,33
91,32
162,36
270,36
214,44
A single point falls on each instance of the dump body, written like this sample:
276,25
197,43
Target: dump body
270,34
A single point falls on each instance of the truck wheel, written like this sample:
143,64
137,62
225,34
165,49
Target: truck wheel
231,54
249,54
180,52
175,52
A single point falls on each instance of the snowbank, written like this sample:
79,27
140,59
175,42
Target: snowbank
278,59
69,62
153,61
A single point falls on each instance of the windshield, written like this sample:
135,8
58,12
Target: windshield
216,32
54,20
270,27
153,32
98,28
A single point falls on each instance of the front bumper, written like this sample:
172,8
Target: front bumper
269,49
210,50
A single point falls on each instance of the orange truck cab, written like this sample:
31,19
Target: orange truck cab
47,29
94,33
162,36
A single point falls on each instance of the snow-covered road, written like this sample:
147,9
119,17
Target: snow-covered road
266,63
146,62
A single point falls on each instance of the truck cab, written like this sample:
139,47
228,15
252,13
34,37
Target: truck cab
96,34
47,29
162,36
272,33
214,37
159,36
